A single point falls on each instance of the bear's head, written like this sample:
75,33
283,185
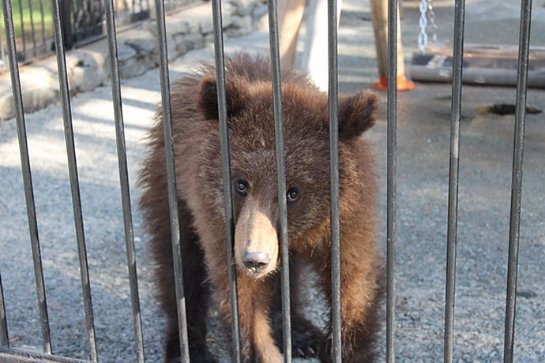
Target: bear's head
253,164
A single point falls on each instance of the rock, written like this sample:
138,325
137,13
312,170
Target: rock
85,70
39,88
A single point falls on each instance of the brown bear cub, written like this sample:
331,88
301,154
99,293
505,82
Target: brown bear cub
256,244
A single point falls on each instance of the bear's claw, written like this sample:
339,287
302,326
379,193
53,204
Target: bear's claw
305,337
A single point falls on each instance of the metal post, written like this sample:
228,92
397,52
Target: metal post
226,173
74,182
281,174
333,101
124,179
4,336
27,176
516,186
171,181
32,28
452,221
391,199
379,15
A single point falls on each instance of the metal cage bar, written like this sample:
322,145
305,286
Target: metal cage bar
32,29
281,176
171,181
333,100
27,176
42,26
458,48
226,174
516,186
454,167
391,172
23,33
74,181
4,336
124,179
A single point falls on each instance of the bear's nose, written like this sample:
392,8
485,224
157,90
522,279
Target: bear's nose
256,260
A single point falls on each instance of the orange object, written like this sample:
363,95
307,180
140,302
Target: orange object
403,84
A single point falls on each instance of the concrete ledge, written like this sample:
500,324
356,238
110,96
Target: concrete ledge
88,68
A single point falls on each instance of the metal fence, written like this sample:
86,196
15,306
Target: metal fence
83,21
60,41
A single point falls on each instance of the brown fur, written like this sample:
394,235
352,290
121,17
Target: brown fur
200,193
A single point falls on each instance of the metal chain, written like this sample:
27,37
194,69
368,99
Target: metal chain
433,25
423,36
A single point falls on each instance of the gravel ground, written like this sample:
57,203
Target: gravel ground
423,146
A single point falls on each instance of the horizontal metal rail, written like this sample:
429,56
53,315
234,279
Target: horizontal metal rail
14,355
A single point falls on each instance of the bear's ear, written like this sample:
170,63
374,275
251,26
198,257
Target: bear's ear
356,114
237,94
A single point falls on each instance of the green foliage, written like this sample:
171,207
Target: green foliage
28,12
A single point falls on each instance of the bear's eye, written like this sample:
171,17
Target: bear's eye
292,195
241,187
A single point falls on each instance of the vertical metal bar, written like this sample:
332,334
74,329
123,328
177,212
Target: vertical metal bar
334,183
23,33
4,336
391,180
124,179
516,186
27,175
171,175
42,24
68,19
281,174
2,52
32,28
74,182
226,172
456,110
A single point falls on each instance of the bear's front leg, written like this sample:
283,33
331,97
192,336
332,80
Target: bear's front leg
254,300
361,294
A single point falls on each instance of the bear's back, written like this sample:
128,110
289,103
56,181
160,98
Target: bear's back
257,69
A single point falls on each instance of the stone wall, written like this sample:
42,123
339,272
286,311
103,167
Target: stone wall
87,67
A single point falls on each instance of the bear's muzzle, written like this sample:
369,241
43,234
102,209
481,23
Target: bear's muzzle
256,241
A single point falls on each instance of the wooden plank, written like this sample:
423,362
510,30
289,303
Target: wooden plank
485,65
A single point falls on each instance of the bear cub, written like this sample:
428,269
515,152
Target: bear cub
196,138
